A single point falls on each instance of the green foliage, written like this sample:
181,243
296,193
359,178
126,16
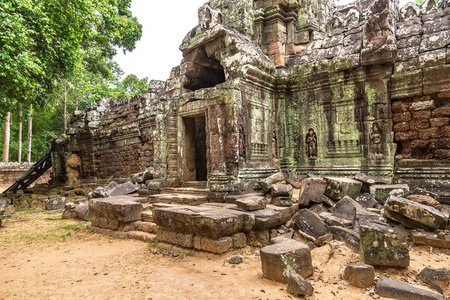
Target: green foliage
43,42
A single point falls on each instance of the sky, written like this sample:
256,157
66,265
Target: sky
165,24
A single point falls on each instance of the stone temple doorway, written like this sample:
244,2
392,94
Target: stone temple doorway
195,146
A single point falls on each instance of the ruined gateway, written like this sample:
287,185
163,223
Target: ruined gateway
300,86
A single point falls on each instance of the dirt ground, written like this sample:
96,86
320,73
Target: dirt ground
45,257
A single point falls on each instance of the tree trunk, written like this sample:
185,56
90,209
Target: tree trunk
7,138
30,128
64,85
19,156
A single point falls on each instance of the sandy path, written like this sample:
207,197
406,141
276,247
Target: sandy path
39,259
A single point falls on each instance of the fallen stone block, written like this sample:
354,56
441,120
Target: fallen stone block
282,259
55,202
346,208
217,246
331,220
123,189
175,238
359,274
142,177
382,192
117,208
364,217
311,223
437,279
368,201
312,190
69,212
266,183
426,200
281,190
318,208
338,187
282,201
273,216
248,202
368,181
380,246
82,211
431,239
349,236
98,193
296,182
209,221
298,286
397,289
413,214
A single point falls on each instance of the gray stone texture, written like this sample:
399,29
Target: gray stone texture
339,187
359,274
382,192
397,289
311,223
311,190
297,285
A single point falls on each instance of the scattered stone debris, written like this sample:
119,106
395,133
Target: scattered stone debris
359,274
299,286
382,192
437,279
397,289
284,258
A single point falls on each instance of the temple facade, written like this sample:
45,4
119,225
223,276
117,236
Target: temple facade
301,86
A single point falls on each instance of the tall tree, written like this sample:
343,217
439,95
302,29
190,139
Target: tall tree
7,132
30,133
42,42
19,155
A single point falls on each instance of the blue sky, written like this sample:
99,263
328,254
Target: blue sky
165,23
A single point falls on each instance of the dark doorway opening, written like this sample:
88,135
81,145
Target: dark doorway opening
200,149
195,143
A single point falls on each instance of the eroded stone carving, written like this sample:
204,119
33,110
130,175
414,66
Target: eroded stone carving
311,142
376,140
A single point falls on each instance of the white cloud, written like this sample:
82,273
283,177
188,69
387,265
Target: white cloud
165,24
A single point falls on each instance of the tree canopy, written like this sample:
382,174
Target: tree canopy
43,42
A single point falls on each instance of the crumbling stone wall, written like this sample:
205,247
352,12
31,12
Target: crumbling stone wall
116,138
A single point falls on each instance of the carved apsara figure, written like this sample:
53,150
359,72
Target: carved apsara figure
311,142
375,137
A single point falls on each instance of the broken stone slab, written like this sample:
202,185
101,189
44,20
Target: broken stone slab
218,246
431,239
437,279
281,190
208,221
248,202
298,286
282,201
318,208
368,201
363,216
397,289
368,181
346,208
359,274
327,201
331,220
143,176
118,208
380,246
124,189
312,190
349,236
426,200
273,216
311,223
282,259
413,214
382,192
266,183
98,193
55,202
296,182
82,211
69,212
338,187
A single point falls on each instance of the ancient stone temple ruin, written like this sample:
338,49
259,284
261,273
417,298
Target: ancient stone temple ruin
297,86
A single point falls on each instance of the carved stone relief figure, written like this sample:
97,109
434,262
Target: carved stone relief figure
241,142
311,144
375,137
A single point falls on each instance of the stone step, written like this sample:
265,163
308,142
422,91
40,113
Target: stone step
195,184
185,190
184,199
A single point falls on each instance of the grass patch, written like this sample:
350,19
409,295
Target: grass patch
75,227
